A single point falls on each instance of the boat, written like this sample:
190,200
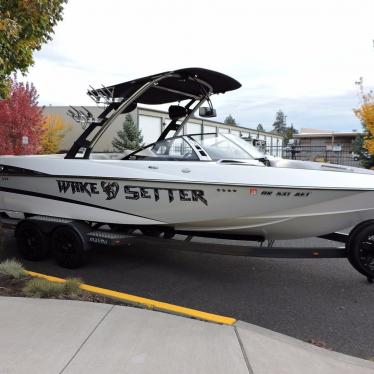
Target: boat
213,184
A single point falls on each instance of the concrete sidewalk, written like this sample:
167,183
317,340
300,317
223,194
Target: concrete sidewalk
58,336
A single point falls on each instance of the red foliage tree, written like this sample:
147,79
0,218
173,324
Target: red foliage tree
20,116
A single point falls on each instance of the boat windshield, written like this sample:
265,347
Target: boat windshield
172,149
208,146
253,151
227,146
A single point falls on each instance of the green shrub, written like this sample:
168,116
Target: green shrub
71,286
12,268
44,288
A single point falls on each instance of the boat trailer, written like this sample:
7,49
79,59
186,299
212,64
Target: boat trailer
70,242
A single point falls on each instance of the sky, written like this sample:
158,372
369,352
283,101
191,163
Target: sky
302,57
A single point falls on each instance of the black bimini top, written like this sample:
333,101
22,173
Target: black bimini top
177,85
193,84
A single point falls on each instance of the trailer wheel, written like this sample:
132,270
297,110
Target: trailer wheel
69,248
32,243
360,250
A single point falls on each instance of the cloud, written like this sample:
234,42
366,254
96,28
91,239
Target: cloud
329,112
302,57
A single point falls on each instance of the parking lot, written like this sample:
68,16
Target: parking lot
324,300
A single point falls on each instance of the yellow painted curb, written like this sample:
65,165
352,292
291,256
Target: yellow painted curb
149,303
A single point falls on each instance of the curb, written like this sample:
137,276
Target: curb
148,303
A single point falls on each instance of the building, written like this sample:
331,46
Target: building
321,145
329,139
152,122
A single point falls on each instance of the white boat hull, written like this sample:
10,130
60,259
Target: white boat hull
173,194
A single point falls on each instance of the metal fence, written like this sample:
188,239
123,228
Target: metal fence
341,155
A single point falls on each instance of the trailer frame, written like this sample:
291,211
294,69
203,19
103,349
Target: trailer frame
79,237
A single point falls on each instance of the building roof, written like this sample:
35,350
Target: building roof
308,130
318,133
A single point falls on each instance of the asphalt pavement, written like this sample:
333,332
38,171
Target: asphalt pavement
324,300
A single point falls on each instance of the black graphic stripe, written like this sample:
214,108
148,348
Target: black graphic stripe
64,199
206,183
21,172
8,170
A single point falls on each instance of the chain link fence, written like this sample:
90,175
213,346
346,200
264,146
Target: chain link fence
341,154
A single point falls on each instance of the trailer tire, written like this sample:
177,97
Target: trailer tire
69,247
32,242
360,249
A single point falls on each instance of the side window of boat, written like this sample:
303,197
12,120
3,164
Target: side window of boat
181,149
161,148
176,148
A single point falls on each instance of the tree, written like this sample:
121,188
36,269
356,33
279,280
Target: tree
358,148
364,145
24,26
54,129
365,113
230,120
260,127
129,137
21,120
289,133
280,123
